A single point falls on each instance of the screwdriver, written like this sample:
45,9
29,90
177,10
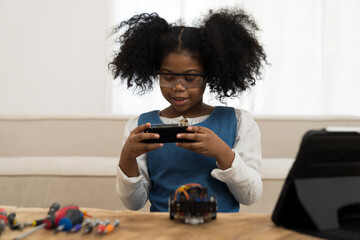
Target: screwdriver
62,212
3,220
91,226
71,218
49,222
2,226
110,227
77,227
3,215
52,209
14,224
100,229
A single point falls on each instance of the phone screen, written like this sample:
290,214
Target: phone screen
167,133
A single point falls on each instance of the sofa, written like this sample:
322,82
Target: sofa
73,159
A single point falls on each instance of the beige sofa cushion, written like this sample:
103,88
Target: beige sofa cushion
40,181
58,166
272,168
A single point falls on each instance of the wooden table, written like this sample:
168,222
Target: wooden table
141,225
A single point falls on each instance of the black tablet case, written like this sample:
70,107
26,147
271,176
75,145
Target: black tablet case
321,195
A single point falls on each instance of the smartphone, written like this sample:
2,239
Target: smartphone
167,133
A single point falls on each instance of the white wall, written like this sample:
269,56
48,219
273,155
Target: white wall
53,57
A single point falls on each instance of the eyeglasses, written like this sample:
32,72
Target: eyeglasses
187,80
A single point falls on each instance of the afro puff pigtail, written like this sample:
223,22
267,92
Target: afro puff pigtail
138,58
234,57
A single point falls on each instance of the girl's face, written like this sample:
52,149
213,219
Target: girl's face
183,92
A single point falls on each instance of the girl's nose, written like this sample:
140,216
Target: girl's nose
179,85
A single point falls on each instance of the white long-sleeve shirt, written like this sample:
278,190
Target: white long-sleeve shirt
243,178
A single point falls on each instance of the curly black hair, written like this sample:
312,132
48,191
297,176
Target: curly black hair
224,43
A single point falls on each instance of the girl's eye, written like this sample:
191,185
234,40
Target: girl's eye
190,78
169,78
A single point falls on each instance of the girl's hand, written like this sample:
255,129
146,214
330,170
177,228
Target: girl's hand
133,148
208,144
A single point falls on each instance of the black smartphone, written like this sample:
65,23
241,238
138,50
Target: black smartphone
167,133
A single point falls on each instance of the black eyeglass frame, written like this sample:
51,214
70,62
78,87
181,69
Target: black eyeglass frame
181,74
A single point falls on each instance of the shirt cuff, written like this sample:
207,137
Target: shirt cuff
126,185
237,172
122,175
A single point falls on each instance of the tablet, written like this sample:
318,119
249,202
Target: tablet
321,194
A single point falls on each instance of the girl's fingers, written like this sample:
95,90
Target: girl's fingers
147,136
189,136
152,146
197,129
190,146
142,127
140,135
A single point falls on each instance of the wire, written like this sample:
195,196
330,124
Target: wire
183,189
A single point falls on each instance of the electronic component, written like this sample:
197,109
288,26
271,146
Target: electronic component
191,204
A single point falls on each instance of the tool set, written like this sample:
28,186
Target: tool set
68,219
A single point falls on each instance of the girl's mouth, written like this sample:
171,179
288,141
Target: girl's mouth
180,101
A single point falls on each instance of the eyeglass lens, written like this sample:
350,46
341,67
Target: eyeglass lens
187,80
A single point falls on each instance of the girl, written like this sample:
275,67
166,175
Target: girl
225,157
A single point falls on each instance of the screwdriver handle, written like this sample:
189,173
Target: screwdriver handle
50,218
53,208
110,227
100,229
59,214
13,224
77,227
72,217
2,226
50,222
3,215
93,224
